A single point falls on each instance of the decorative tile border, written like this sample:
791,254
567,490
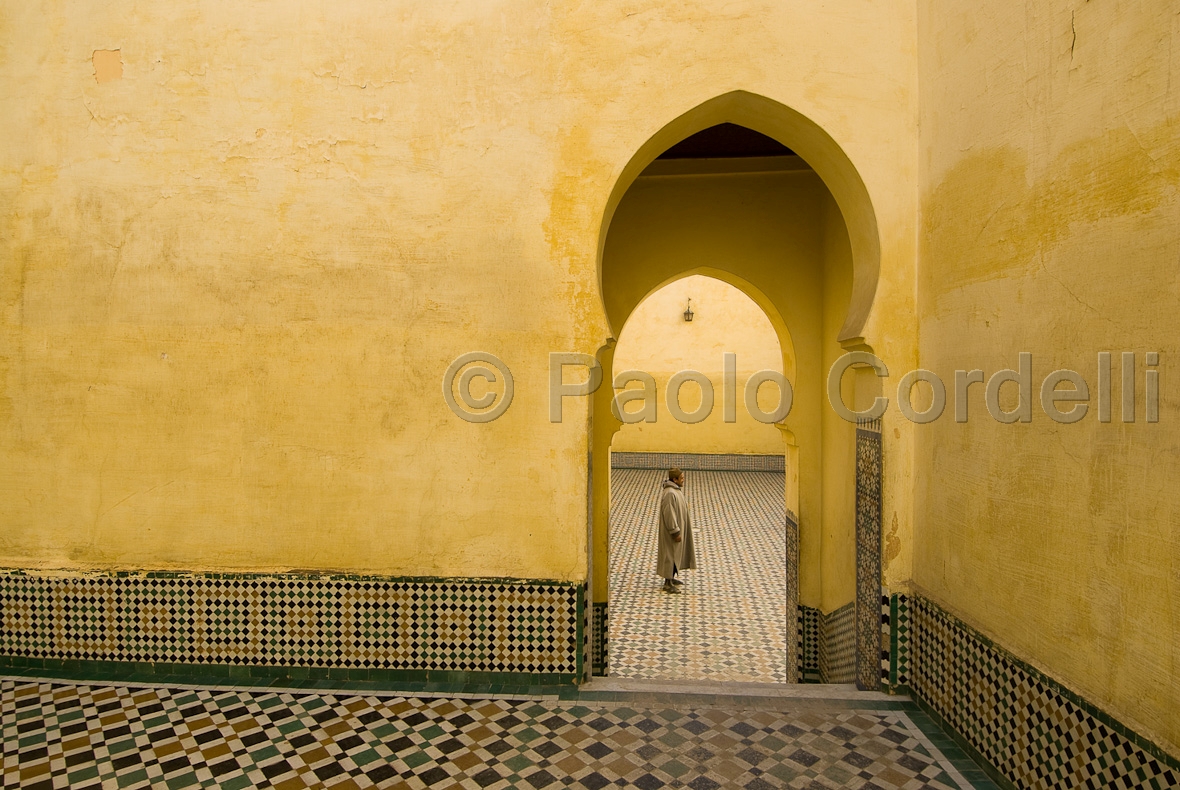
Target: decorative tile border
868,553
456,625
827,645
582,639
895,640
699,462
837,645
599,641
1032,731
809,638
794,621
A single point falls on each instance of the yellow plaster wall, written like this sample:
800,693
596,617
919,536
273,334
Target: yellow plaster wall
238,256
1050,208
658,341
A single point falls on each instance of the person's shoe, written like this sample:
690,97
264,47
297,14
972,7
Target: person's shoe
670,588
677,582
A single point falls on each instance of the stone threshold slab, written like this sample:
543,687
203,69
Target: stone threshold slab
809,691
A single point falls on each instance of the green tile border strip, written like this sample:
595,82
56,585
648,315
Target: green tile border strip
968,753
918,677
267,676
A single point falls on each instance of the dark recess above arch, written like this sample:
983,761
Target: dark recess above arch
726,141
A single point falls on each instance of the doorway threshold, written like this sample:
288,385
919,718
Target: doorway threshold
728,688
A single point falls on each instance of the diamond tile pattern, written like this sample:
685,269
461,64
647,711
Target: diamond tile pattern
809,636
1023,723
837,645
82,736
461,625
794,624
868,553
599,642
895,639
729,622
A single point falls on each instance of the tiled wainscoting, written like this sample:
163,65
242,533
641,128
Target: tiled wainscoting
837,646
1028,729
827,645
381,628
599,632
698,462
809,636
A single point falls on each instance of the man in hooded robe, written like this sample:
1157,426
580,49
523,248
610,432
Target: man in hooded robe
676,550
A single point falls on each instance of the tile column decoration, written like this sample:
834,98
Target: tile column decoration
895,640
599,629
868,554
809,636
794,656
837,645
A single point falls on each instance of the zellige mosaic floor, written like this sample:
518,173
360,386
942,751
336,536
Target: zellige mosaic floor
729,622
59,735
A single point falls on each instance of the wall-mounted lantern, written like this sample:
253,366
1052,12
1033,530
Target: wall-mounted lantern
688,311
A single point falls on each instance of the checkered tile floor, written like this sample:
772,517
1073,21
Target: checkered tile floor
729,623
84,736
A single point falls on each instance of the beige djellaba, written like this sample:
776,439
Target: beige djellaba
674,520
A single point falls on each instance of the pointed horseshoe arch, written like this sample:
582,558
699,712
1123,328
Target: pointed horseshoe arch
834,168
815,146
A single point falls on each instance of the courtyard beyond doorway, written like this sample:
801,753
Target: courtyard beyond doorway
729,622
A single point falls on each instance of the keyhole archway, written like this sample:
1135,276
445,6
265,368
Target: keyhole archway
793,228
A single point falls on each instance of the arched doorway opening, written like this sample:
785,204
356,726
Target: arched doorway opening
793,228
728,621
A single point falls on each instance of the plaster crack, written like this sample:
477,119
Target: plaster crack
1073,29
133,494
1154,159
990,217
1098,313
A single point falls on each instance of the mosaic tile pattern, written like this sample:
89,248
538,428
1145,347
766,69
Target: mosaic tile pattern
599,639
837,645
895,639
729,623
463,625
793,625
583,636
809,636
82,737
699,462
868,553
1032,730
